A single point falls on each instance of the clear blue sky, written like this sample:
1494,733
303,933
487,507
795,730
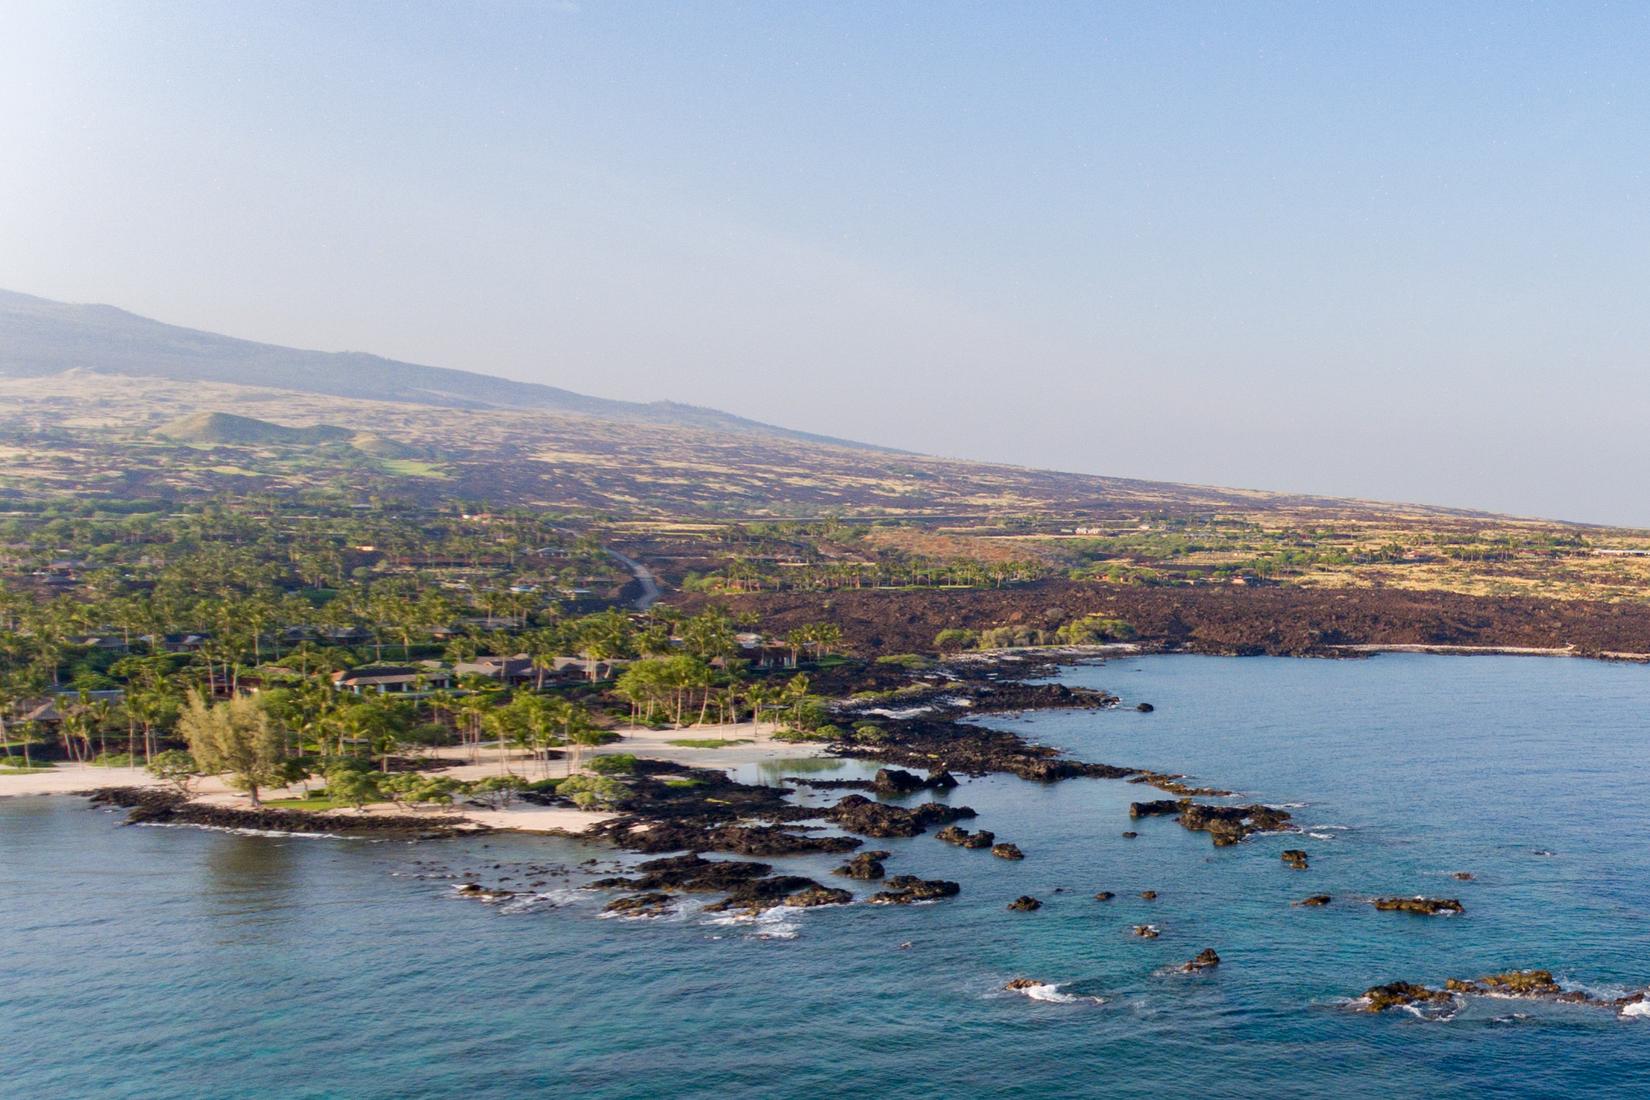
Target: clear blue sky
1394,250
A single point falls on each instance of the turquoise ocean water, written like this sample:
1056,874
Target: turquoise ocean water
150,962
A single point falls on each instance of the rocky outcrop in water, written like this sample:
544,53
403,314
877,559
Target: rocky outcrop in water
1537,985
762,894
1294,857
865,866
478,892
889,781
1515,983
650,835
640,905
859,814
830,784
1428,907
962,838
749,886
1379,998
1007,851
907,889
691,872
1165,781
818,895
926,741
1206,960
1225,825
1104,895
895,781
1228,825
1315,900
1025,903
1146,931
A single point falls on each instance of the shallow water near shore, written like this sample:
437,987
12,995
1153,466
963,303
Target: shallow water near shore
186,963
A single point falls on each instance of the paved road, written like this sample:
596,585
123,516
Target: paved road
644,576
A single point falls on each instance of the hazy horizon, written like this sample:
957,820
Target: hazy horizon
1392,253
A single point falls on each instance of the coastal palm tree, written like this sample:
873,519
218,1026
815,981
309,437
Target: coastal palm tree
543,647
759,695
578,732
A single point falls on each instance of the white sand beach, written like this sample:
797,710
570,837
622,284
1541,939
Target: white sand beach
735,747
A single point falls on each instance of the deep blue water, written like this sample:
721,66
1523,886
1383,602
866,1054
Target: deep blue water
143,962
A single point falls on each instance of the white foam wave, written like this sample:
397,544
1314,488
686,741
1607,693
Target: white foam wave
680,909
778,923
1050,993
1433,1015
542,899
1598,992
1640,1010
245,832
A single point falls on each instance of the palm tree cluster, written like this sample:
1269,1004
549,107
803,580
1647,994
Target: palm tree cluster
166,617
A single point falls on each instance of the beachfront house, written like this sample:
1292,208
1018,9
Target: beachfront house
509,670
763,653
51,711
394,679
577,668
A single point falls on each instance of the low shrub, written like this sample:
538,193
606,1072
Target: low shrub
904,660
173,766
619,763
869,733
592,791
114,760
498,791
817,733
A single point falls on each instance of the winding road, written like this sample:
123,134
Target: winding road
644,576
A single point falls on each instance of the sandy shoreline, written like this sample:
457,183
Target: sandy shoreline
737,748
74,779
1461,650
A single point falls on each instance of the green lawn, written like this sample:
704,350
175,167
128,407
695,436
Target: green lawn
313,802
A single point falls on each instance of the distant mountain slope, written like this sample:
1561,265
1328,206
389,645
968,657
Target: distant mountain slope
42,337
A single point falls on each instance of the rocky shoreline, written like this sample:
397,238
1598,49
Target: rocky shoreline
925,734
672,808
149,806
